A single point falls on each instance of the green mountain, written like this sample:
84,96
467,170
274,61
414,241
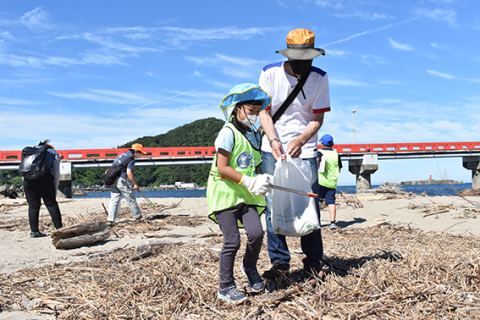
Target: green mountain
200,133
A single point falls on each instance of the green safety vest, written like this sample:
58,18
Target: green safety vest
223,193
329,177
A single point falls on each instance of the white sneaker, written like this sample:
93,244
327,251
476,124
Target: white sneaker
333,226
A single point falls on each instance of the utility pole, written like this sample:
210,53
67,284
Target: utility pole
353,112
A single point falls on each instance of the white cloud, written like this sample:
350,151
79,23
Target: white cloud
370,59
347,82
448,16
18,102
440,74
105,96
36,62
6,35
111,44
36,19
336,53
178,35
364,33
364,15
240,61
399,46
137,36
335,4
99,58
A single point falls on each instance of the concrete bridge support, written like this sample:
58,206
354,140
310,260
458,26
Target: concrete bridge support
363,169
65,183
473,163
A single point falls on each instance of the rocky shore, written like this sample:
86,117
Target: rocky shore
11,192
429,182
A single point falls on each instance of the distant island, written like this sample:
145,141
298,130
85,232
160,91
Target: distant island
429,182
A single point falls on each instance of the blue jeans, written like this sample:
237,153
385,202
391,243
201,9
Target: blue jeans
312,245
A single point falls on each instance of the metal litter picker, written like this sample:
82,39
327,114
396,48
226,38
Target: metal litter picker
308,194
148,200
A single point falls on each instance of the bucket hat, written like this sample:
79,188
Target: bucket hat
327,140
300,45
243,92
138,147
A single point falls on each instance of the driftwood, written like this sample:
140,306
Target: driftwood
98,254
80,235
470,192
140,256
436,212
167,235
83,240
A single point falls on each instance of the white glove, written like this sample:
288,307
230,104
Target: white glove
259,185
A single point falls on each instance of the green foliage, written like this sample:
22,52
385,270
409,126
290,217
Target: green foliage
10,177
200,133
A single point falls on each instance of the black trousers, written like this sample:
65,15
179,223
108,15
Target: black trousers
35,190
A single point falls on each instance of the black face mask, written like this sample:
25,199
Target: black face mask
301,67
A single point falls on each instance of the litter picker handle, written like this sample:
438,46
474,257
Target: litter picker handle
303,193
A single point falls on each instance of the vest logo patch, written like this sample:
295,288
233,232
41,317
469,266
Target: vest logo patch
244,160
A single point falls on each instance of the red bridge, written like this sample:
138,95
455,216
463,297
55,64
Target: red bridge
362,158
175,154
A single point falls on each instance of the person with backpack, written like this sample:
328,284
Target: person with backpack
235,192
40,168
125,184
300,98
329,168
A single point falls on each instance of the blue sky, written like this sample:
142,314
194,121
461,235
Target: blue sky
95,74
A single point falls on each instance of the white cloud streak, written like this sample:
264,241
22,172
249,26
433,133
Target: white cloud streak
440,74
400,46
364,33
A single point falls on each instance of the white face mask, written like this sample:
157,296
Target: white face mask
249,120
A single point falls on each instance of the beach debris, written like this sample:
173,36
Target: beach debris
391,190
80,235
381,272
475,192
347,199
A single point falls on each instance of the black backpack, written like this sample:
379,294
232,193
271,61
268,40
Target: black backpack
33,165
114,171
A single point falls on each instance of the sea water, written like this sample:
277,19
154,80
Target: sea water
430,190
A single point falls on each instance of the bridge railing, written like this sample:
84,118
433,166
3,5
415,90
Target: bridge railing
87,154
179,152
407,147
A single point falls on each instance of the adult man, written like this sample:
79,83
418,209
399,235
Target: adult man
44,188
125,184
296,132
329,168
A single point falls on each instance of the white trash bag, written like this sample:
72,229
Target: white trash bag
293,214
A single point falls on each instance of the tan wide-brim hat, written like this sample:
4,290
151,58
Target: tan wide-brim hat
301,45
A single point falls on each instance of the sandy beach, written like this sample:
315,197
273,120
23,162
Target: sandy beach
452,215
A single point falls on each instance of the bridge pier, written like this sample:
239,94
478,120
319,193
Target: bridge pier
473,164
363,169
65,183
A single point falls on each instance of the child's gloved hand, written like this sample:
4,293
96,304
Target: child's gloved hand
259,185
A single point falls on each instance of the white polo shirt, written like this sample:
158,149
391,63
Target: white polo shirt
293,122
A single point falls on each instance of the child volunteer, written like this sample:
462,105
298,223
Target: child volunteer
235,192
